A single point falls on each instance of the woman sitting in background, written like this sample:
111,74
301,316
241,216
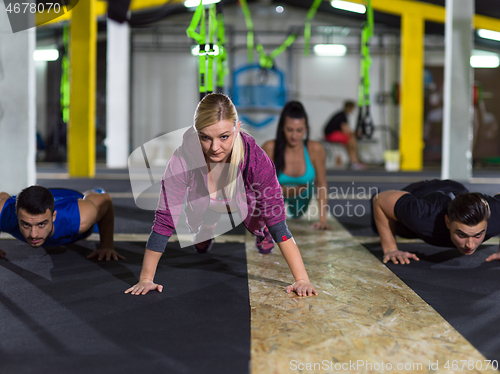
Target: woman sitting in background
300,163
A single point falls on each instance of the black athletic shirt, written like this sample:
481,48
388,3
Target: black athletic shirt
335,123
421,213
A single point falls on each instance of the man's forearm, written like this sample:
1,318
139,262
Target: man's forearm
106,225
385,227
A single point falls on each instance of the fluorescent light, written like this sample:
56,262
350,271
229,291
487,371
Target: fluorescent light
330,50
488,34
195,49
484,61
195,3
347,5
46,55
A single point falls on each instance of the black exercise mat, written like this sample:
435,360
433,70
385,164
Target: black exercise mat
61,313
464,290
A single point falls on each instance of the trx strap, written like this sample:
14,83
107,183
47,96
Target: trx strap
199,18
249,24
266,60
364,127
307,27
65,86
207,53
221,69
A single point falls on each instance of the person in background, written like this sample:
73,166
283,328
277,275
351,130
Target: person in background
300,163
337,130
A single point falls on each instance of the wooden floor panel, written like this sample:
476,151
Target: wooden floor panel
365,319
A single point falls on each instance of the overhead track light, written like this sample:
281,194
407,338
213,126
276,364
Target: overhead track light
348,6
484,61
195,3
46,55
330,50
489,34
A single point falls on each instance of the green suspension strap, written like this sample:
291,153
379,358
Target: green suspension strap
266,61
212,27
307,27
250,32
221,69
65,87
364,127
199,18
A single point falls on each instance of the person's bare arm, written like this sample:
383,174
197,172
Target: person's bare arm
3,197
268,147
346,129
291,253
318,159
383,212
146,279
98,208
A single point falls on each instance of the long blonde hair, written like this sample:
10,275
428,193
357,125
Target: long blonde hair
212,109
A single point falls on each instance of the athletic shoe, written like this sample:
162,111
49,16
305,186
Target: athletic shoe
204,238
204,247
264,244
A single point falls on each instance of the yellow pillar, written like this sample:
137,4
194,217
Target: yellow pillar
411,142
81,126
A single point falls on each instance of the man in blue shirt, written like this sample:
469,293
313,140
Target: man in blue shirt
43,217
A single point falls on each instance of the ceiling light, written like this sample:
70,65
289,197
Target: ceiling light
330,50
484,61
46,55
279,9
350,7
488,34
195,3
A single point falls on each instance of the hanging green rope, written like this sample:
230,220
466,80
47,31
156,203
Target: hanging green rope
250,32
364,127
221,69
65,86
212,27
199,19
266,60
307,27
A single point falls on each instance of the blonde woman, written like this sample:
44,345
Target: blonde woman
219,169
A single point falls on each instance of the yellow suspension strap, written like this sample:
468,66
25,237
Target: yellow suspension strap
364,126
199,18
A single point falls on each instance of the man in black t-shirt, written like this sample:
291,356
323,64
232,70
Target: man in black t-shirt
441,213
337,130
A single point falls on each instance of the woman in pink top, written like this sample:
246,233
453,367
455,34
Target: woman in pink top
218,169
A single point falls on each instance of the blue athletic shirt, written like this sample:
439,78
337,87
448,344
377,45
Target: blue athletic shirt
307,178
66,225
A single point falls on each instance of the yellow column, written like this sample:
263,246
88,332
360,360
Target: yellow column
81,127
411,142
